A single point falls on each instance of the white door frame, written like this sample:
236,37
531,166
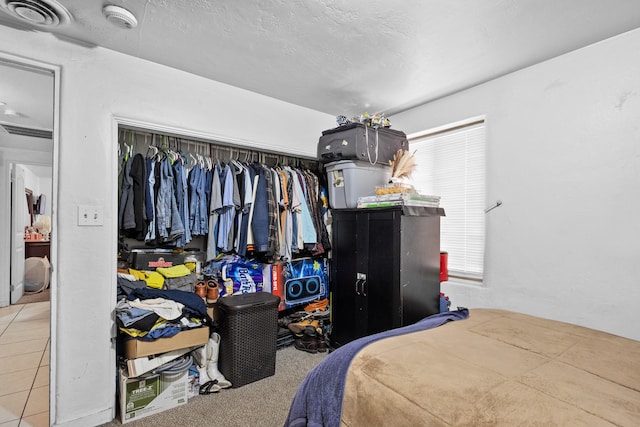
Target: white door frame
55,70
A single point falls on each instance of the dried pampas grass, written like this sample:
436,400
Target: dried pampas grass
403,164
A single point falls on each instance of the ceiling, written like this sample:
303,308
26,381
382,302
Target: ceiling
339,56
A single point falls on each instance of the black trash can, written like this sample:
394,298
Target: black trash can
248,336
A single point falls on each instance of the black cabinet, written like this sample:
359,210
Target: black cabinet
385,269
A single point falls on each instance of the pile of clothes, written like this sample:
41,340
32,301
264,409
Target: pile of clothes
178,277
147,312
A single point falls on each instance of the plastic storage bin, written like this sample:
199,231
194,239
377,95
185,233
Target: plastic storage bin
348,180
248,337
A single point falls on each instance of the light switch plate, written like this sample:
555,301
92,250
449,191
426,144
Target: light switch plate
90,215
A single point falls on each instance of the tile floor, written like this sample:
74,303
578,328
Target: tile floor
24,365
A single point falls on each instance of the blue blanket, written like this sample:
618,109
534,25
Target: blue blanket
318,401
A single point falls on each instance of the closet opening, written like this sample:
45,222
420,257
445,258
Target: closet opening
245,217
215,219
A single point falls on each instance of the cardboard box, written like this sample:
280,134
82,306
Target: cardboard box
193,385
141,397
142,365
134,348
300,281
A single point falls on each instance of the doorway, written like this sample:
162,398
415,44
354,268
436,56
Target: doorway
31,233
29,94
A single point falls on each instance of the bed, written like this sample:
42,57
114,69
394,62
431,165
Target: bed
476,367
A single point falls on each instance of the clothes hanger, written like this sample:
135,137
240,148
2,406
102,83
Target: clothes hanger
193,161
172,150
183,155
157,151
209,158
129,146
154,151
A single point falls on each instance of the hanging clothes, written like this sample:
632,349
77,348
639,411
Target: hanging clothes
236,206
133,217
182,199
227,212
204,192
215,206
170,226
195,190
150,197
126,218
260,220
275,213
256,179
245,212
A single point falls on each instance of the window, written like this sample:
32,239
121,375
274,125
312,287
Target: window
451,164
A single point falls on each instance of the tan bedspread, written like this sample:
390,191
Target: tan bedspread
496,368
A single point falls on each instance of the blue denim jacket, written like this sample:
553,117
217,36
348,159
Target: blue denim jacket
182,200
170,226
194,205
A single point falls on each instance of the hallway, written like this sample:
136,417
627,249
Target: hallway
24,365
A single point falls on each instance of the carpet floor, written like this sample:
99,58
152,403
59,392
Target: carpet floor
264,403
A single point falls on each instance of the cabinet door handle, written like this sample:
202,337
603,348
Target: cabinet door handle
364,292
361,279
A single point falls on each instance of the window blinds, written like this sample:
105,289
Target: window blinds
451,164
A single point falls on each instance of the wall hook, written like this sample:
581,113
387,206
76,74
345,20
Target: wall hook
492,207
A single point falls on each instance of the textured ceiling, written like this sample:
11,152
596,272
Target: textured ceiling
348,57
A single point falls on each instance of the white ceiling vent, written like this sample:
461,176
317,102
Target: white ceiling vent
46,13
26,131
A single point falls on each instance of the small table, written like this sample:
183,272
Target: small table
37,248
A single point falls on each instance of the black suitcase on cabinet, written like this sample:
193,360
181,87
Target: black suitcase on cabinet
359,142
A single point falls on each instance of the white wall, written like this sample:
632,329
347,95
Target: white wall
563,154
97,84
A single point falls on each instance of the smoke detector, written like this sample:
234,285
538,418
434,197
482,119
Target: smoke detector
46,13
119,16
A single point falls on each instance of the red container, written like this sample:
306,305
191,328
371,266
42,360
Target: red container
444,268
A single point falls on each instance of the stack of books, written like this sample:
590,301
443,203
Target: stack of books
398,199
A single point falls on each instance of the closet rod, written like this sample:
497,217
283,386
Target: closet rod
142,140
